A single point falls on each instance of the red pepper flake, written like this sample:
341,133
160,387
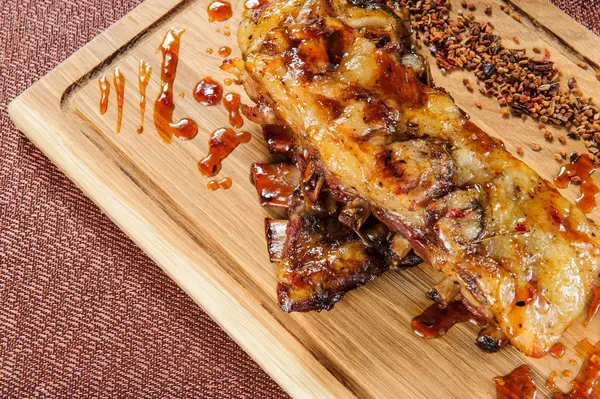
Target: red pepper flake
478,105
457,214
521,227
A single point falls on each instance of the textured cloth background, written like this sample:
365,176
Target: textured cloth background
84,313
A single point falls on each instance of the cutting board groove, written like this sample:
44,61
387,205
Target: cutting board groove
212,244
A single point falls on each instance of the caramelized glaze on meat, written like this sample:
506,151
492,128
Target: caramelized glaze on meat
334,71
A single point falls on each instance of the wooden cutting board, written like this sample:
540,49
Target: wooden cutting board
212,243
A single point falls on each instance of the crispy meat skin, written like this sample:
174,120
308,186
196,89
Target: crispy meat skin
522,254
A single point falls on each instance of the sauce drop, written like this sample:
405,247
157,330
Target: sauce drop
208,92
225,51
551,382
557,350
219,11
228,82
594,305
119,81
581,169
104,86
222,143
164,106
516,385
209,51
584,385
435,321
566,373
232,102
224,184
144,73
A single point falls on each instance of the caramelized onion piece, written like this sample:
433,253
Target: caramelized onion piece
275,231
491,339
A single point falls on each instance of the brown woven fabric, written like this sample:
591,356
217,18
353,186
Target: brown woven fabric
84,313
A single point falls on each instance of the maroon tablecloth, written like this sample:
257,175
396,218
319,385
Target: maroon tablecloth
83,312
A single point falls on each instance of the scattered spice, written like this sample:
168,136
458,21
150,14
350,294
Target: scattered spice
582,65
536,147
488,10
478,105
562,140
467,84
527,87
516,16
520,151
548,136
516,39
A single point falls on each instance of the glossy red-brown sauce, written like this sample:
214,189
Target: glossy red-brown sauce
164,107
228,82
435,321
518,384
232,103
279,139
275,183
582,168
584,385
219,11
104,86
208,92
594,305
225,51
119,82
557,350
224,184
222,143
551,382
144,73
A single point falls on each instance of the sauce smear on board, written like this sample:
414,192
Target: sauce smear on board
222,143
164,107
580,170
119,81
224,184
435,321
219,11
232,102
208,92
516,385
104,86
144,73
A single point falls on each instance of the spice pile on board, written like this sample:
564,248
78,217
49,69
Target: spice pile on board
527,86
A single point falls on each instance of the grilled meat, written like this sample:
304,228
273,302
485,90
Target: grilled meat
326,248
337,72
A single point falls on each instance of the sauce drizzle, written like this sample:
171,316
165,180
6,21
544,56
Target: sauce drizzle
208,92
224,184
232,102
222,143
119,81
164,106
594,306
434,322
275,183
516,385
104,86
144,73
581,169
219,11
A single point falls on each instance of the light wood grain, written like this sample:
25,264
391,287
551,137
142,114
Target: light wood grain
212,244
